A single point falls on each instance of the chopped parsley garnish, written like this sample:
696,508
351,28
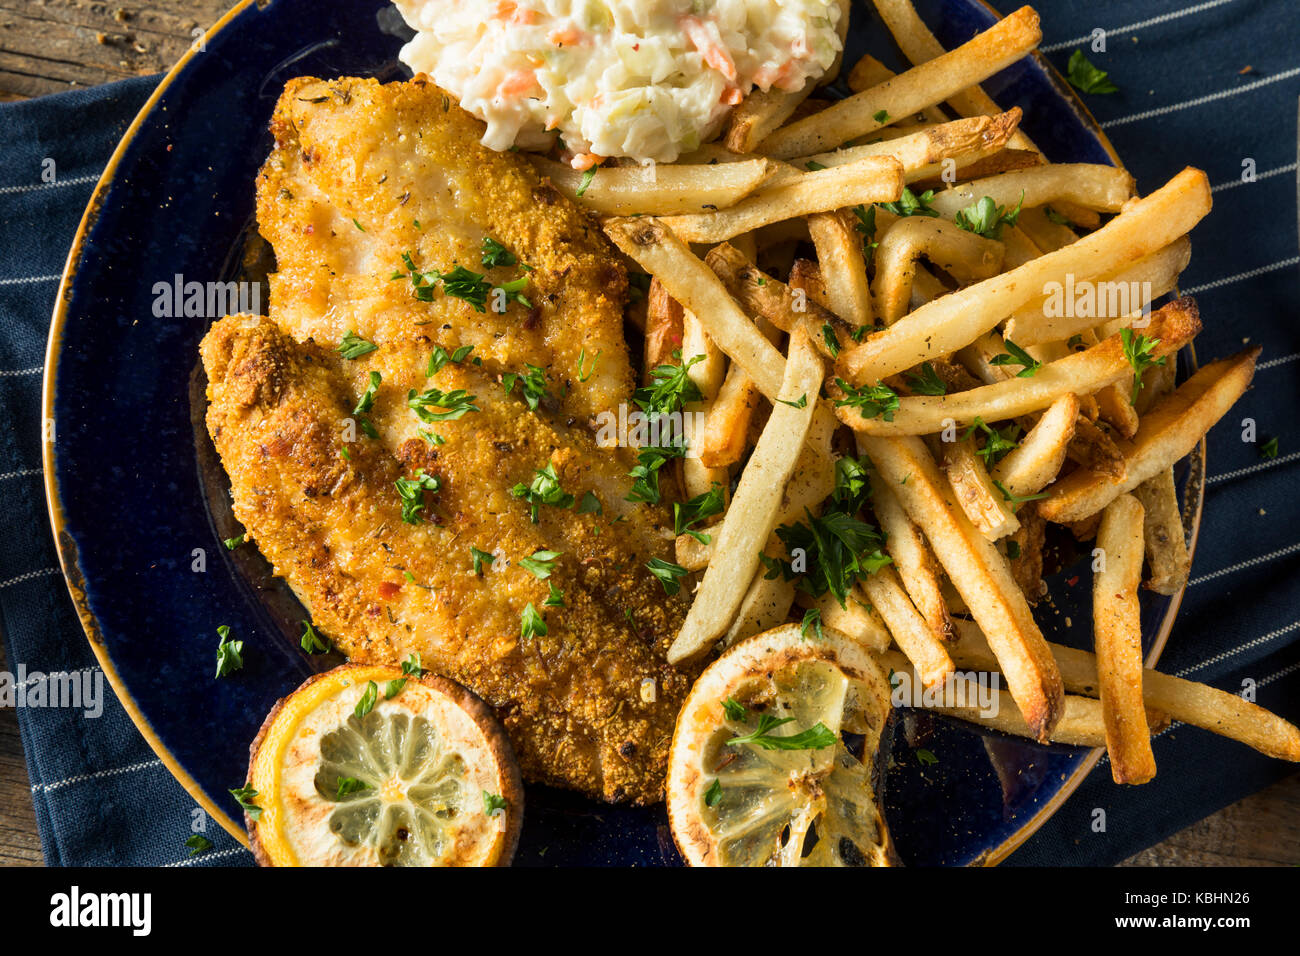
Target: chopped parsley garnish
812,620
587,177
358,225
589,505
926,757
645,474
706,505
832,343
996,443
871,401
539,563
411,666
1087,77
1018,356
1013,550
555,598
814,738
230,654
432,437
441,357
350,785
1138,349
394,687
912,205
354,346
802,401
244,797
839,549
1016,500
866,225
454,404
813,166
367,399
734,710
852,485
531,623
545,490
670,388
311,642
1055,216
411,491
513,291
713,795
926,382
495,254
367,702
669,574
583,372
198,843
494,804
232,543
1268,449
532,384
881,116
473,287
480,558
986,218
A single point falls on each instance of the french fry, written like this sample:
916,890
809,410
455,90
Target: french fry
698,476
949,323
1116,409
1170,430
843,268
693,284
664,189
1200,705
919,45
1026,558
664,322
922,154
871,180
771,299
755,505
1162,530
759,114
766,604
858,619
1080,723
1094,449
1121,296
869,72
911,632
1079,373
726,430
979,574
1047,234
1038,458
922,86
1117,633
974,491
912,558
1095,187
966,256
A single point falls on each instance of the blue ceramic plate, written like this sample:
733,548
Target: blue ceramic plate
140,507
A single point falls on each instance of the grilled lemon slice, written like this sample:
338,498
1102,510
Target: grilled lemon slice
347,775
772,760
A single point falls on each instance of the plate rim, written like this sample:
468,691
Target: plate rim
66,548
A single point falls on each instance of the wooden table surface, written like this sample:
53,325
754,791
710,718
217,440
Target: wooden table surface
48,46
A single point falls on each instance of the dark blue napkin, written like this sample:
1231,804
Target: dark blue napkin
1211,84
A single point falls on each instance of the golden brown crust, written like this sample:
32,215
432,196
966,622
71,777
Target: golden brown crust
282,406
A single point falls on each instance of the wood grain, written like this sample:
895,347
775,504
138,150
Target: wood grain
49,46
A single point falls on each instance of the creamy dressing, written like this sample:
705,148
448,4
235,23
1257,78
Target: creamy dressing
645,79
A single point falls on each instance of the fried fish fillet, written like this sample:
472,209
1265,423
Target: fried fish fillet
591,702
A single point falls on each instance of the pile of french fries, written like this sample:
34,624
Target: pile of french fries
903,299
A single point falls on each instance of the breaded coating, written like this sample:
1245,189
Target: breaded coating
589,705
